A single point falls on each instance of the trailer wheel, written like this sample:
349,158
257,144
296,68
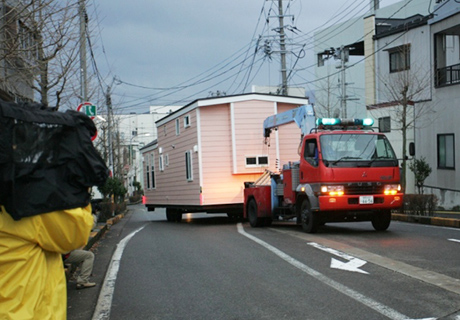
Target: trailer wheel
254,220
381,221
308,218
169,216
173,215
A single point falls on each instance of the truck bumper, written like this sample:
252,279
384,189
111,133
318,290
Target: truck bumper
360,202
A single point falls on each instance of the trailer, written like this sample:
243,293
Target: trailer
206,150
345,172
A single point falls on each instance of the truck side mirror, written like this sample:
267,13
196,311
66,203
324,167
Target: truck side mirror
412,149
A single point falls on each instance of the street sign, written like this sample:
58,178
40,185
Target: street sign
90,111
88,108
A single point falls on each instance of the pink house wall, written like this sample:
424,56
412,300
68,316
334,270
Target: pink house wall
171,185
219,184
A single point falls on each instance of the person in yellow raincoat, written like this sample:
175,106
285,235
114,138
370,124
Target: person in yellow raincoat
32,278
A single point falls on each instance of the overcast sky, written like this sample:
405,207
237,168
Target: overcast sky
173,44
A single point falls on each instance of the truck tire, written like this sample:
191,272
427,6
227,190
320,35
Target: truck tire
381,221
309,219
254,220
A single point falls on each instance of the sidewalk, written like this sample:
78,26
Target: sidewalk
436,220
102,242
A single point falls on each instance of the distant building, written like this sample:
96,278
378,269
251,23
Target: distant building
131,132
17,53
414,42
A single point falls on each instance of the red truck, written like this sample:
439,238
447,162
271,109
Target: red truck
345,172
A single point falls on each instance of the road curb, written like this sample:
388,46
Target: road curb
436,221
97,233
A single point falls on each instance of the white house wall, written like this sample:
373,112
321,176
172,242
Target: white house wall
446,121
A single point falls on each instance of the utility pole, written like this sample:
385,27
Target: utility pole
109,120
343,98
83,71
284,85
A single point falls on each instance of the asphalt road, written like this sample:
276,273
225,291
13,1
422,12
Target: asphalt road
208,267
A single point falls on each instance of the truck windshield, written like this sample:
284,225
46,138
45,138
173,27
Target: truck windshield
352,147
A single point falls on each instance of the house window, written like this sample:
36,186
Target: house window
257,161
186,121
167,159
152,168
399,58
147,169
161,163
385,124
188,166
177,127
446,151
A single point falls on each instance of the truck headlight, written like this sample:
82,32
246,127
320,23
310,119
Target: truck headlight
391,189
333,191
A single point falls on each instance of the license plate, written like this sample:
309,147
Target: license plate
366,199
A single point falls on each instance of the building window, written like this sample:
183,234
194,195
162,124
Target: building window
167,159
446,151
188,166
161,163
147,169
257,161
186,121
385,124
399,58
177,127
152,168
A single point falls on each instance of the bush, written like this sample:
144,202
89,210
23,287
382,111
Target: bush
109,210
135,198
420,204
421,170
113,187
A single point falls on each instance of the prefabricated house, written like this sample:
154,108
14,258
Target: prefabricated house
206,150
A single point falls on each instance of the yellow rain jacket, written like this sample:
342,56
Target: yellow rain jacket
32,279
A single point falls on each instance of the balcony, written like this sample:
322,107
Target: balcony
447,76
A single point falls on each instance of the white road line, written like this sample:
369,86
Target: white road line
104,303
454,240
371,303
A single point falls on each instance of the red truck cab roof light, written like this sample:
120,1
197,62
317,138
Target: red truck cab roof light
324,123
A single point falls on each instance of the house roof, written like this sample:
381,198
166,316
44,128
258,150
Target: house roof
229,99
386,26
150,145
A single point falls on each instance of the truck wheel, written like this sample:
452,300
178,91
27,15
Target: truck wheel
254,220
309,220
381,221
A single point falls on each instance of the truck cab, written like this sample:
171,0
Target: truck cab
345,172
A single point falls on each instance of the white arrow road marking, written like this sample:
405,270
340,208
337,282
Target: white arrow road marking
454,240
353,264
371,303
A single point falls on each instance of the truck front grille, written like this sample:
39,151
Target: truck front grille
364,188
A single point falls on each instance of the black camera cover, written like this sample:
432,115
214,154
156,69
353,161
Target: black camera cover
47,159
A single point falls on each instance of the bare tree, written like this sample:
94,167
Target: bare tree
408,92
325,107
41,52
